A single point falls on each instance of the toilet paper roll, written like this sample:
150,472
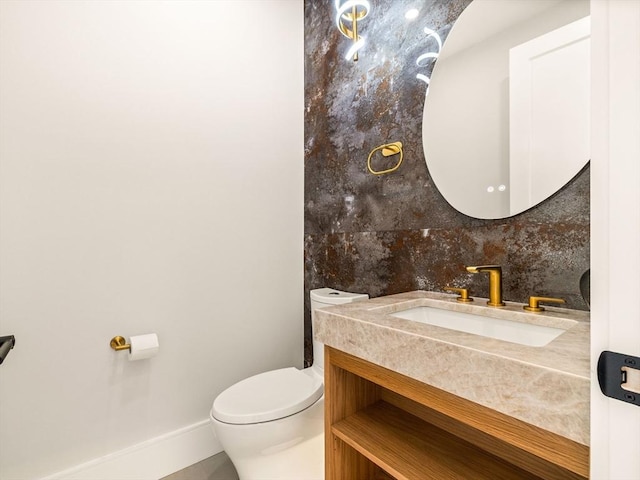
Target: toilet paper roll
143,346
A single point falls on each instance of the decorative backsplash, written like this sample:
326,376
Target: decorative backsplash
385,234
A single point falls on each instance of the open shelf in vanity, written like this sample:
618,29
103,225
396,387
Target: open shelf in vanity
380,424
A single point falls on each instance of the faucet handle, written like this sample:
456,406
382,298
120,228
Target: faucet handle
534,303
464,294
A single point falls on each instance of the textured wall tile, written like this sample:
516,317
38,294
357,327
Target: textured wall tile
393,233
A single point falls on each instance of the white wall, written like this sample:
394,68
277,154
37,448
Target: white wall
151,180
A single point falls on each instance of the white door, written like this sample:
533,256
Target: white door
549,105
615,227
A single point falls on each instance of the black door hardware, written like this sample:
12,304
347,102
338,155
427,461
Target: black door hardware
619,376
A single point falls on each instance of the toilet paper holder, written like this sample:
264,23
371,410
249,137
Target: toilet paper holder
6,343
119,343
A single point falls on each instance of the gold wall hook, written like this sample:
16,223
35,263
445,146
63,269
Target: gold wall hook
388,149
119,343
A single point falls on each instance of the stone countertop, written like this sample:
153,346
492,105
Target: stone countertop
546,386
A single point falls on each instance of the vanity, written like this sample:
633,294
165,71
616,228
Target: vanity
407,398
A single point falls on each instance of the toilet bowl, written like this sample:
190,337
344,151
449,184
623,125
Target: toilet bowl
271,425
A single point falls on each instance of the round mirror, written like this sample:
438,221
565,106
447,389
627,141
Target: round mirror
506,117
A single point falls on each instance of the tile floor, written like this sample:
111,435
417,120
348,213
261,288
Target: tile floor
218,467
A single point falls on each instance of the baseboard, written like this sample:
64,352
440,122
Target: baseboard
149,460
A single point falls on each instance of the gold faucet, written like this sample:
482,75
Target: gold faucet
495,282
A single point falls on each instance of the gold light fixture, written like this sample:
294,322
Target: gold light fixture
351,12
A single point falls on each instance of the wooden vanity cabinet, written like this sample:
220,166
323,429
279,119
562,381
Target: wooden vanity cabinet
380,424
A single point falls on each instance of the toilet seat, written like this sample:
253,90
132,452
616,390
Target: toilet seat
267,396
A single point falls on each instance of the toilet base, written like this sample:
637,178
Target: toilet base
290,448
299,462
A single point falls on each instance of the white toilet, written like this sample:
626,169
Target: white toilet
271,425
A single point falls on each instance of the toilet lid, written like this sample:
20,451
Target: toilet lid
267,396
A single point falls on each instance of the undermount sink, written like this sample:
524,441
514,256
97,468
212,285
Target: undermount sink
511,331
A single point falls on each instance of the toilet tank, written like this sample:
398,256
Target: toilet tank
325,297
